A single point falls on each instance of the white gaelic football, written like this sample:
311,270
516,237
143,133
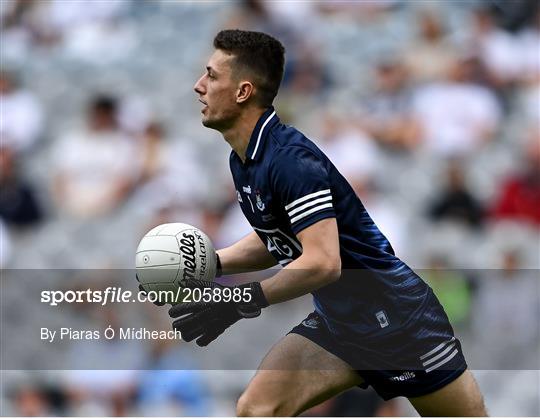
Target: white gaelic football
170,253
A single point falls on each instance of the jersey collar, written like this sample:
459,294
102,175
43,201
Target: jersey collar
265,122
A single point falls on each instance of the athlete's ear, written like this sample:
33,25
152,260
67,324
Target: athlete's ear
244,92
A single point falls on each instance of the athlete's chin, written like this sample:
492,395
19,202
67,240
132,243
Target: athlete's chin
208,123
219,122
211,122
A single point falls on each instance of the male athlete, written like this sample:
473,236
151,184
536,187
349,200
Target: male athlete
375,321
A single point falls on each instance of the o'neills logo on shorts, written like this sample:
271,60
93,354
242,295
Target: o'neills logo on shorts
187,248
404,377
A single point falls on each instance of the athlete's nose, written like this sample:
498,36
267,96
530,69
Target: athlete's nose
198,87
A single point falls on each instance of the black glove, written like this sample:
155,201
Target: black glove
207,320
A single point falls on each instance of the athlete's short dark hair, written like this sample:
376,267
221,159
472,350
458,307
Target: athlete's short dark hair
257,53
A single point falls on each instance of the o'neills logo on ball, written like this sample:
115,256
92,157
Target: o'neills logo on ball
202,252
187,247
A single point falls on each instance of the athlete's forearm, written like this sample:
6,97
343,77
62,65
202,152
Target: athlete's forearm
298,278
246,255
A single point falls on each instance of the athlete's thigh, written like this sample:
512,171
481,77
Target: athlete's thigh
461,397
297,374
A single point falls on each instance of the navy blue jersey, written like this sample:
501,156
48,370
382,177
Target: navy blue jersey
287,184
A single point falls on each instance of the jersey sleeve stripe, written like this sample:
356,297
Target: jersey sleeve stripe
309,212
309,204
305,198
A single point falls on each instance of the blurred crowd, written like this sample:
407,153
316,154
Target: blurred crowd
431,110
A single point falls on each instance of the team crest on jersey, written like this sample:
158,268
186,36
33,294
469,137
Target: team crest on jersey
382,318
259,202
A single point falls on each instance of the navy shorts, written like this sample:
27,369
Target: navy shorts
416,360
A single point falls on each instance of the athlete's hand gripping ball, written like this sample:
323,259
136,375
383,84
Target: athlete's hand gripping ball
214,307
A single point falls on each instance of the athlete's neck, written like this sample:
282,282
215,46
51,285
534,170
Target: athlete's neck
239,134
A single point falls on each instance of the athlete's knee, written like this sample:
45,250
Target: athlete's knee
476,399
481,410
478,407
249,405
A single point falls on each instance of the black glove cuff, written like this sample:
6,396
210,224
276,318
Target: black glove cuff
257,295
251,308
219,270
261,298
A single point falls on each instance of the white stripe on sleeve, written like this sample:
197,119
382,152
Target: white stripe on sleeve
309,204
309,212
306,197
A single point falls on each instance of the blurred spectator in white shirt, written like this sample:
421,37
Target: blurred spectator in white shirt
62,15
96,167
456,116
173,175
21,115
529,44
135,114
529,101
16,35
430,56
498,49
386,114
302,16
353,153
358,159
86,29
